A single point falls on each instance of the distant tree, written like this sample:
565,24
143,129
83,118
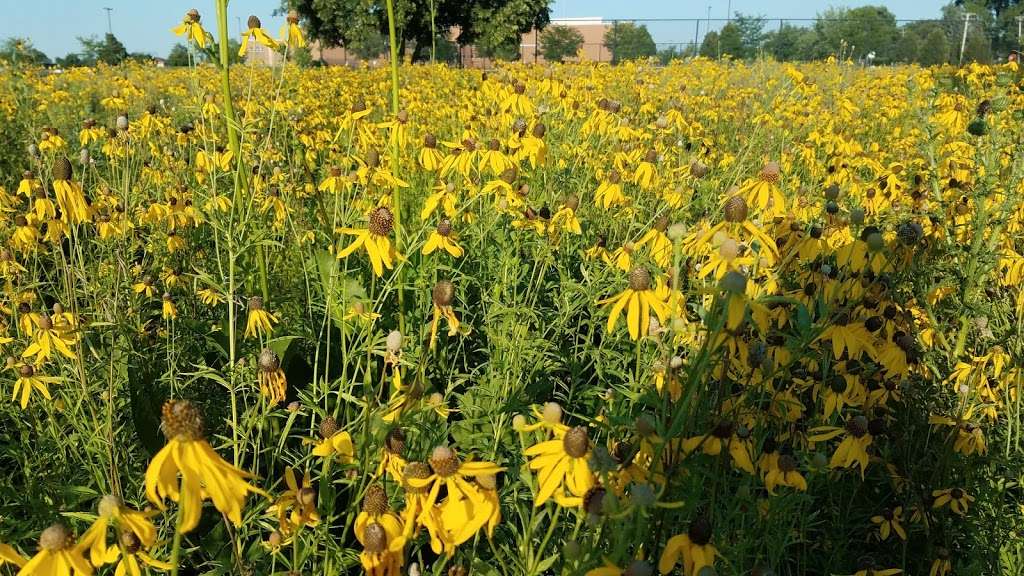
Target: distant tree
628,41
507,51
671,53
730,41
491,25
71,60
560,42
445,50
709,46
109,50
789,42
982,32
21,51
862,30
752,33
179,56
1006,29
368,47
909,48
934,49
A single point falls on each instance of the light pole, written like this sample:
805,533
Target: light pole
963,40
110,28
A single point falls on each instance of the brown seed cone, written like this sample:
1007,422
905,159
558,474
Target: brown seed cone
700,531
375,538
253,22
328,427
444,462
787,463
576,442
269,362
443,293
381,221
375,500
736,209
56,538
395,441
857,426
193,15
444,227
62,169
771,172
182,418
593,500
639,279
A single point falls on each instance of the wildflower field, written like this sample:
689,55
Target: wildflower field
708,318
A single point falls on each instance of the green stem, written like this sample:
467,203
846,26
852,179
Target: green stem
396,199
225,77
176,544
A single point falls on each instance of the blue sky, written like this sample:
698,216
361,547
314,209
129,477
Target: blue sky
144,25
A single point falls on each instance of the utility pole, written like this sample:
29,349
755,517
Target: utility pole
110,28
963,40
1019,20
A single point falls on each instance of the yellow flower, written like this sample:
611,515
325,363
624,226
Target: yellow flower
296,507
391,459
450,472
334,443
609,192
941,566
170,310
69,193
639,300
10,555
782,471
48,337
133,557
374,239
763,192
429,158
955,498
113,512
255,31
381,533
260,322
890,521
729,435
191,28
853,449
291,33
442,296
693,550
29,380
273,384
58,555
203,473
209,296
562,464
442,238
